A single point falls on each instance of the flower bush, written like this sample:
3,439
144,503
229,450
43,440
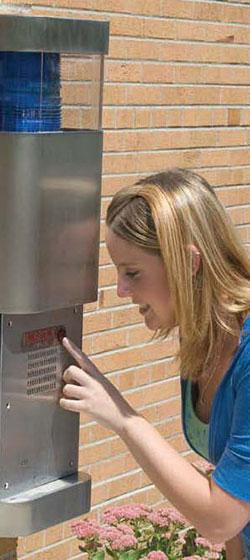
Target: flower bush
137,531
140,532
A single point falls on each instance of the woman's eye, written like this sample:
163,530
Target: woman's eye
132,274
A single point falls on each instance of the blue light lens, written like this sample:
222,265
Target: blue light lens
30,91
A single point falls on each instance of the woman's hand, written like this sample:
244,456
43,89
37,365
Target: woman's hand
87,390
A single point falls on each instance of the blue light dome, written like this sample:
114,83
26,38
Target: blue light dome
30,91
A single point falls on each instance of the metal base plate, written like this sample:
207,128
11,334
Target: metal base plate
34,510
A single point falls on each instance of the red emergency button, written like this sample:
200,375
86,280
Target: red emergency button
61,333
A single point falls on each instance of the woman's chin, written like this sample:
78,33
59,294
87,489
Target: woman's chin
151,323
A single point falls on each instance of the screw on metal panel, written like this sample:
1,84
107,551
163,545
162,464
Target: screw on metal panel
6,486
8,405
71,463
10,324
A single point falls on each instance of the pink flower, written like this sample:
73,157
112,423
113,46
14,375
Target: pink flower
88,528
203,542
181,540
164,516
157,555
195,557
192,557
123,541
118,537
128,511
167,535
218,547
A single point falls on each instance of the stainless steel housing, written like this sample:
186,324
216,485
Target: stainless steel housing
50,186
39,485
50,190
47,34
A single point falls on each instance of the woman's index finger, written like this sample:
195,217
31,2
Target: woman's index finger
81,359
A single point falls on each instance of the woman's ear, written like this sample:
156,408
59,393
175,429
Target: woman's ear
195,258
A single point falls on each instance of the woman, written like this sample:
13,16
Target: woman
178,258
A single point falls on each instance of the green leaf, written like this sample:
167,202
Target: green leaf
130,555
97,555
111,552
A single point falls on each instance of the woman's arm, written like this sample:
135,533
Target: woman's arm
234,549
218,515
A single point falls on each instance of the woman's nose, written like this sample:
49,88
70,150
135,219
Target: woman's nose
123,287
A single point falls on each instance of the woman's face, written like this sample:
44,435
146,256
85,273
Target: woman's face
142,276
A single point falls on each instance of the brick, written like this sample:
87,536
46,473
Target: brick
188,74
141,6
231,137
159,28
34,541
126,316
224,75
103,342
192,52
56,552
107,276
113,467
151,94
178,9
235,95
152,162
75,94
169,410
159,117
112,184
97,321
244,233
125,117
142,117
245,118
77,69
114,94
71,117
108,297
134,49
104,257
209,11
134,356
93,433
109,117
240,215
239,14
237,156
122,163
94,453
126,25
234,196
219,116
157,73
21,546
234,117
121,71
125,484
53,534
213,32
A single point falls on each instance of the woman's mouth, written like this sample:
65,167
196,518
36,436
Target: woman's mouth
143,309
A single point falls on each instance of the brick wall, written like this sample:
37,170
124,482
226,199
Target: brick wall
176,93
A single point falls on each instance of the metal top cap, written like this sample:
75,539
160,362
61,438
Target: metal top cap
51,34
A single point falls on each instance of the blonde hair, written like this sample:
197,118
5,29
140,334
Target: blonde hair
168,213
